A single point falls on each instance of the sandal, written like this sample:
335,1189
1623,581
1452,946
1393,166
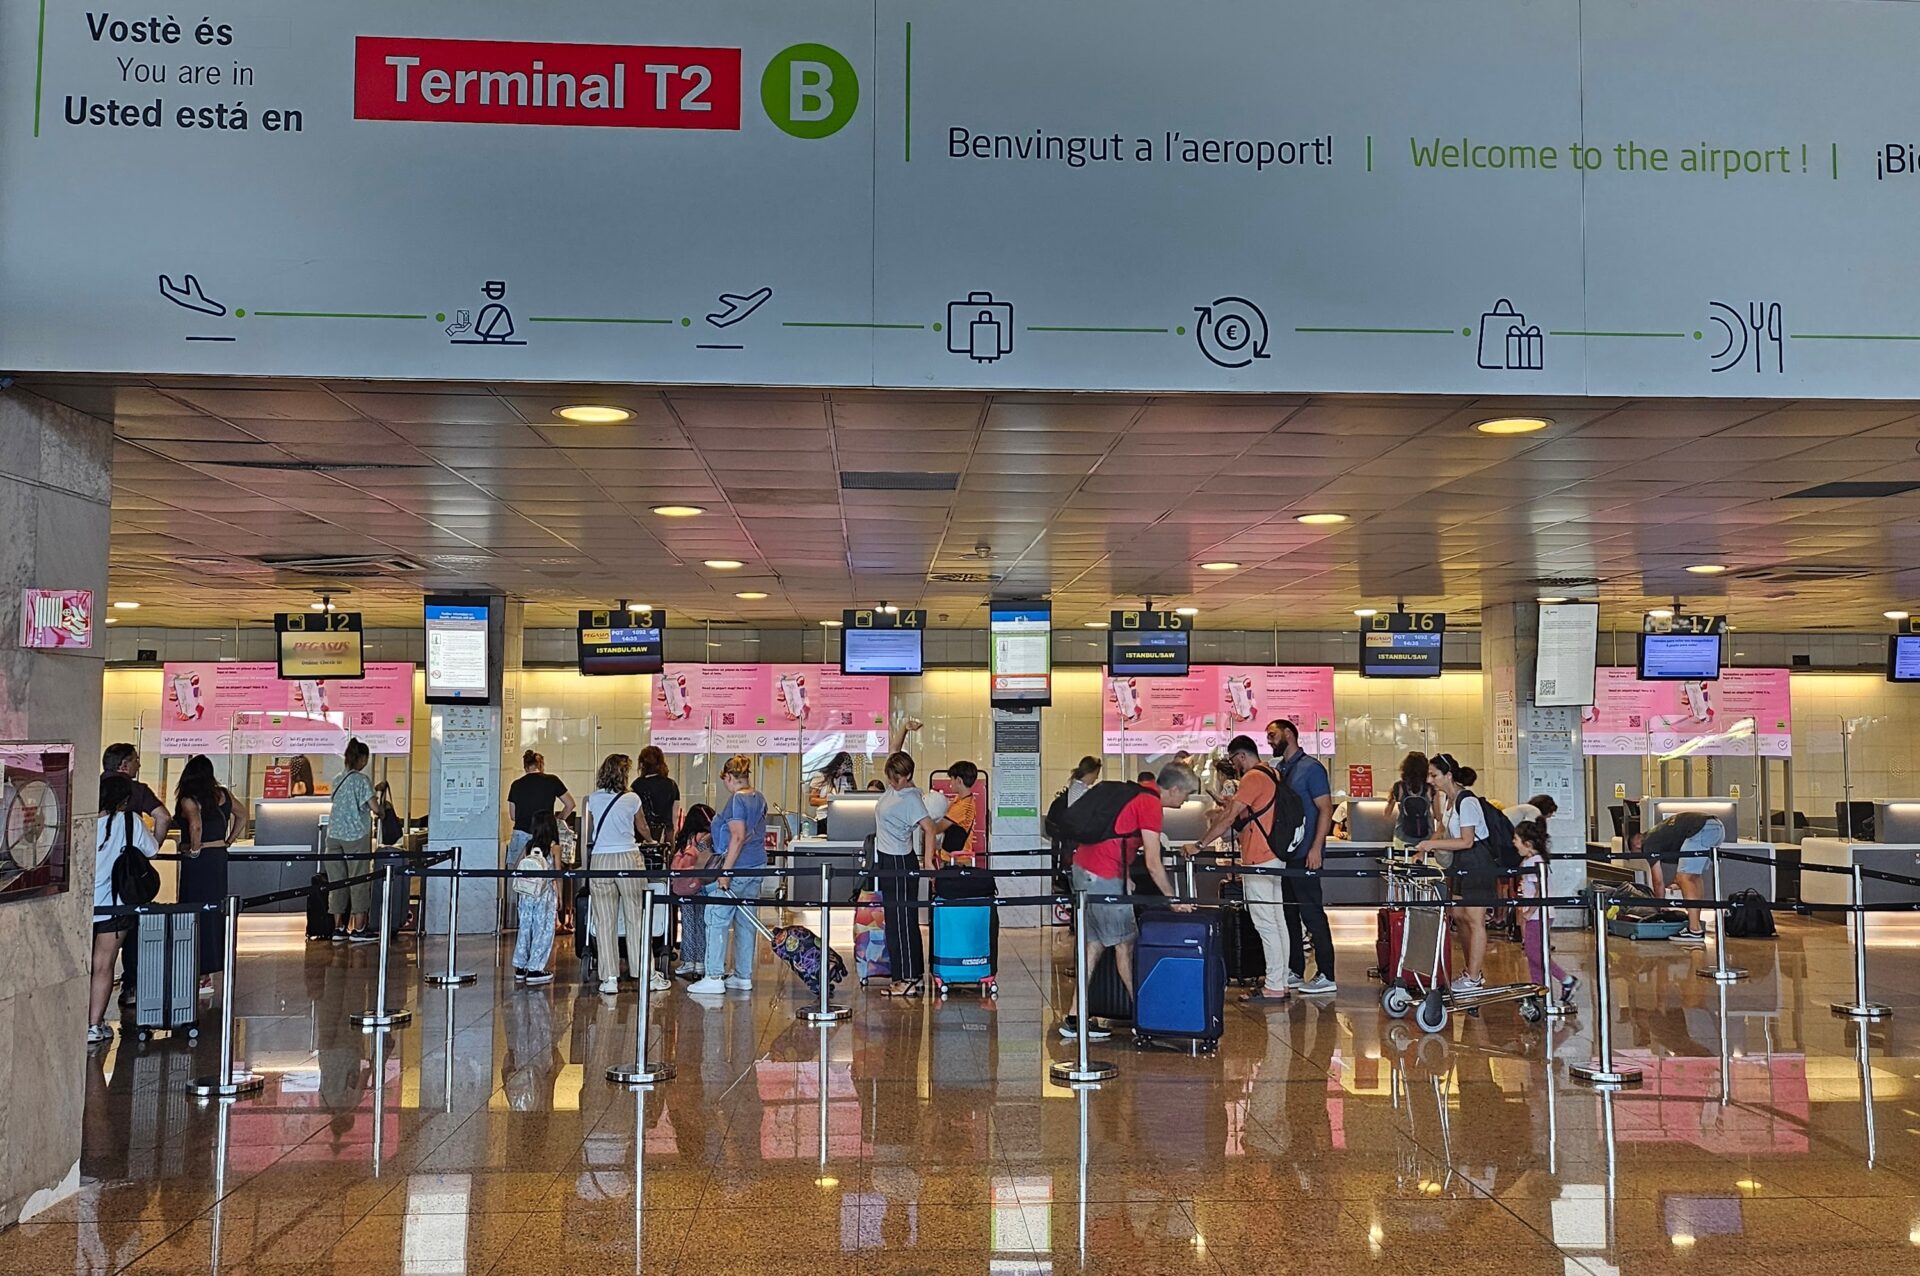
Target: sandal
904,988
1265,997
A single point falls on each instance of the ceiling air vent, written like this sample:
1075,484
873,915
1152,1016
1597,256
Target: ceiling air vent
1564,582
963,578
898,481
1787,574
342,566
1852,490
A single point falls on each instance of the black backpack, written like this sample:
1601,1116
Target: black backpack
1092,818
1282,821
1414,820
135,880
1506,855
1749,917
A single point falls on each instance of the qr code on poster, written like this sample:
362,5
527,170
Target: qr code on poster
1549,686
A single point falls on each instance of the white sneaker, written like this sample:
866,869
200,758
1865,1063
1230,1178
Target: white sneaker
739,985
708,984
1468,983
610,986
659,982
98,1034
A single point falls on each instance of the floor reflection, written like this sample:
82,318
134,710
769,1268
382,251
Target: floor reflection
926,1136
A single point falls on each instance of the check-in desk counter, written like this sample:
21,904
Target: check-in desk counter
805,855
1335,891
1735,875
1817,887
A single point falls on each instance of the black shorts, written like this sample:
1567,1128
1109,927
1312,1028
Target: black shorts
112,925
1475,876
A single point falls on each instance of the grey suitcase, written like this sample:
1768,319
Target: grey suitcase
167,980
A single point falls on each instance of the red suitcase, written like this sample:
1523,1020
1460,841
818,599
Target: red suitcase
1390,928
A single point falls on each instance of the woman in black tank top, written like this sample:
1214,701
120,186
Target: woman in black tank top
204,814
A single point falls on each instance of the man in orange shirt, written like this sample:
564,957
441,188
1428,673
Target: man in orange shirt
956,826
1252,810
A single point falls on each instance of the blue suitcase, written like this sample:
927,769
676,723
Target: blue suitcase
966,926
1180,976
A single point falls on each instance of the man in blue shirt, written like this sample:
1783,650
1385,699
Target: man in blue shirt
1305,905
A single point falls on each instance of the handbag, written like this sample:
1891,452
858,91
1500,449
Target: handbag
691,859
136,881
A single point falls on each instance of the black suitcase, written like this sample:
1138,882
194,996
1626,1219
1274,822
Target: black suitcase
1107,995
167,979
1239,941
319,915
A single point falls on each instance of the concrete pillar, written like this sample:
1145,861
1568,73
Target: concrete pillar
473,753
1529,749
55,484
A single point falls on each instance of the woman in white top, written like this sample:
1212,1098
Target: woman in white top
119,829
615,825
1473,875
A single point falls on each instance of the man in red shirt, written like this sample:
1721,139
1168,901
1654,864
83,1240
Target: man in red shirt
1102,868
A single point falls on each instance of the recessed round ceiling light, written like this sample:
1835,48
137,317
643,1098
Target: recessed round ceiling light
1094,624
1320,520
112,620
679,511
593,414
1512,425
1660,613
833,624
1706,569
1186,611
1894,615
1220,567
724,564
125,605
1364,612
751,595
316,606
1550,598
634,608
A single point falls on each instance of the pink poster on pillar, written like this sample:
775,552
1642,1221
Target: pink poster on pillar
244,707
1214,703
829,709
1745,710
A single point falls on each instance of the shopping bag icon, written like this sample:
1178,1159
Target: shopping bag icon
980,327
1497,352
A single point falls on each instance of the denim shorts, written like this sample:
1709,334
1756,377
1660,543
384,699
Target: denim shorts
1696,851
1108,924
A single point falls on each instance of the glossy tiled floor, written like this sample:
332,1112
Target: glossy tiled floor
924,1137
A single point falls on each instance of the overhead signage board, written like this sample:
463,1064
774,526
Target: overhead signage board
1683,199
883,618
322,644
620,641
1402,644
458,662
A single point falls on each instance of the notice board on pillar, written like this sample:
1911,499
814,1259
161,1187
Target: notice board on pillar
1746,711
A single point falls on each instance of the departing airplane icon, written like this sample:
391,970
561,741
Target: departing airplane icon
739,307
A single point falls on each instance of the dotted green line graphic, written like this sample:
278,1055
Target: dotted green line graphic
905,327
1855,336
1585,332
323,314
592,319
1037,327
1411,332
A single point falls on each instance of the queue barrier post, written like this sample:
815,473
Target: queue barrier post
380,1016
1602,1073
1082,1072
227,1084
643,1071
1720,972
453,978
1551,1006
1860,1007
826,1012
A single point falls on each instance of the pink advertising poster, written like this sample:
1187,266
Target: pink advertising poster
232,707
1214,703
767,709
1710,719
56,618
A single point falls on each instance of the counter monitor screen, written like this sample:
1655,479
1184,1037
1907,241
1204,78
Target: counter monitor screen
1021,653
1148,653
323,646
605,647
1903,658
1400,654
881,651
457,657
1679,657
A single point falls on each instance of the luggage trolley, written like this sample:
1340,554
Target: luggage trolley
1419,983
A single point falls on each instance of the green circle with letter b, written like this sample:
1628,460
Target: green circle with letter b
810,91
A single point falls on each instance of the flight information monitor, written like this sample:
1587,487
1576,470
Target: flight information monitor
1403,644
457,657
1021,669
1148,653
895,652
1903,658
621,641
1679,657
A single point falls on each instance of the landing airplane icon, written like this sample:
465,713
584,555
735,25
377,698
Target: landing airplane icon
739,307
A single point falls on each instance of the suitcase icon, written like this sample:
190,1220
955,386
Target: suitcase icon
980,327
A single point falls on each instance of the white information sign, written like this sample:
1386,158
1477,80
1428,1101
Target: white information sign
1560,197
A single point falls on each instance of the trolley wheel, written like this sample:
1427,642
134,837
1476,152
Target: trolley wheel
1531,1010
193,1032
1431,1054
1398,1037
990,987
1396,1001
940,989
145,1034
1431,1014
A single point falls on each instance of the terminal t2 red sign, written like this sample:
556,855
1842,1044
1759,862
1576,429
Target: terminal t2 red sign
524,82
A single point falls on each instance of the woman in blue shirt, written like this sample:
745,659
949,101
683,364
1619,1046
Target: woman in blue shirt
739,838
